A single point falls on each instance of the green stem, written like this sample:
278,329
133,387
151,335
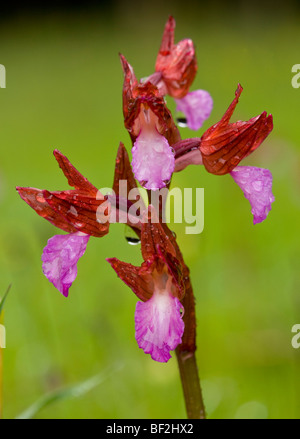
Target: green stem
186,355
190,384
1,373
1,350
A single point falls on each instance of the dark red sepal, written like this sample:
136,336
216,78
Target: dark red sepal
154,235
175,270
75,179
140,97
35,199
131,276
123,171
176,62
76,210
224,145
160,263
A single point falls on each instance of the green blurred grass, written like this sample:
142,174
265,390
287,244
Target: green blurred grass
64,85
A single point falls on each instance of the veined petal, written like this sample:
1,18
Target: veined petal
144,104
120,200
153,160
225,144
141,285
83,209
60,257
256,183
159,326
196,106
176,62
155,234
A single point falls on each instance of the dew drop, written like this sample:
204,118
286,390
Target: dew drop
78,225
181,120
40,198
131,237
132,241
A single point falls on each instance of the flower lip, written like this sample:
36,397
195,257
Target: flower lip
197,106
159,326
224,145
60,258
153,160
256,183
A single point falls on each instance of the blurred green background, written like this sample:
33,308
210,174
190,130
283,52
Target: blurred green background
64,85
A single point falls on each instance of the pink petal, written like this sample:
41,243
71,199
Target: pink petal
159,325
60,257
153,160
256,183
196,106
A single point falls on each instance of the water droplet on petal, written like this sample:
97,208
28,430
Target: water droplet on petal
40,198
78,225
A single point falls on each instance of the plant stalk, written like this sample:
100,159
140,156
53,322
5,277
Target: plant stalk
191,385
1,372
186,359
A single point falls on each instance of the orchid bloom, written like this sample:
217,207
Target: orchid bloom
152,131
176,68
158,283
146,117
225,144
80,212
